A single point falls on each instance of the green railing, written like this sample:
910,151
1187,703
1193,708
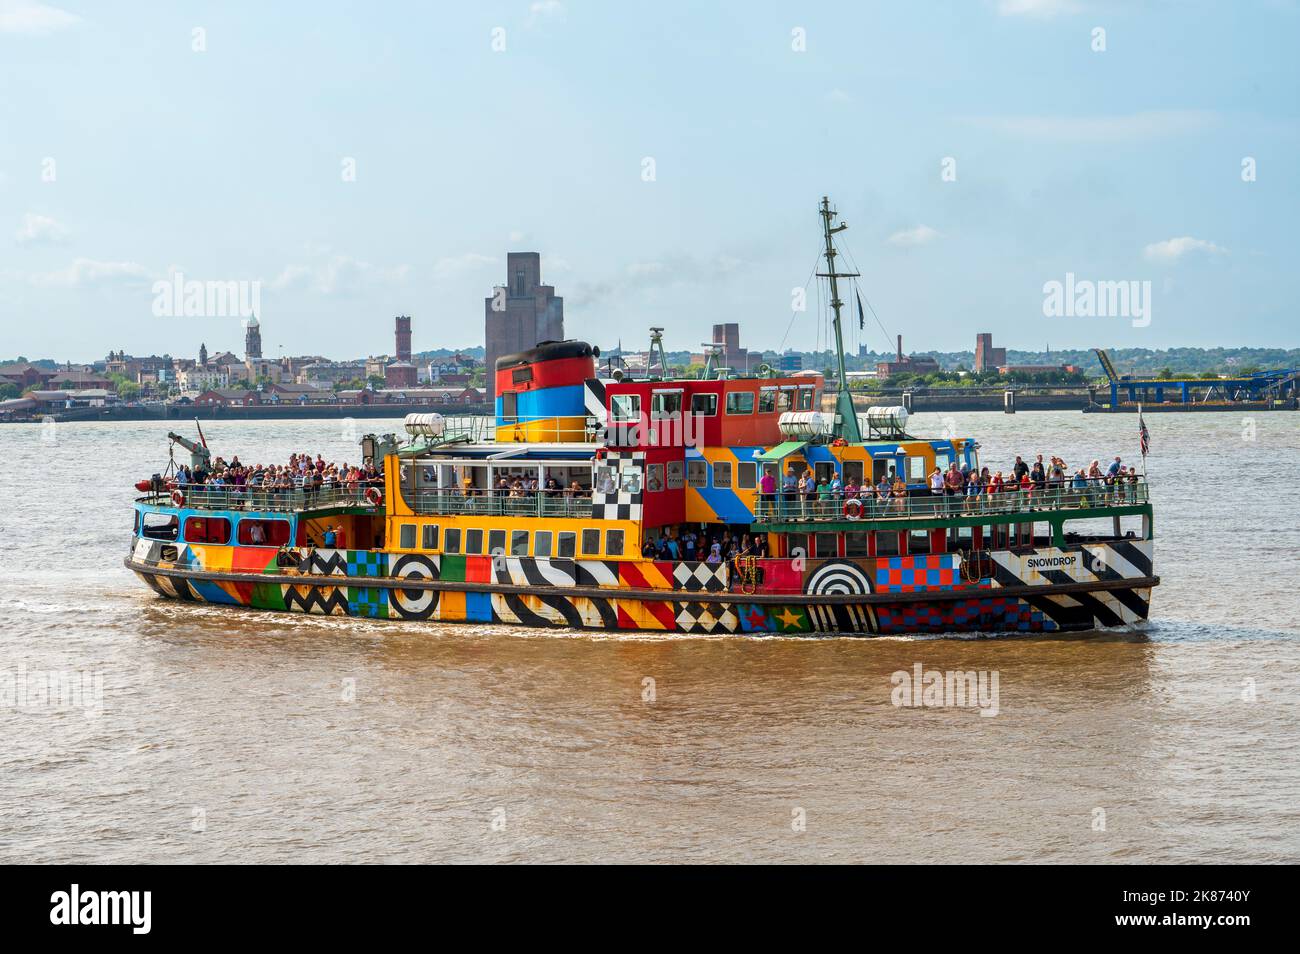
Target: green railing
201,497
778,509
500,504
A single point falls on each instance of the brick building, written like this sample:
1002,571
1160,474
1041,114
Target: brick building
521,314
987,357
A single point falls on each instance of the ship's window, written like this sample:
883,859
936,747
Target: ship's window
746,475
826,545
655,481
625,407
697,473
916,469
496,542
135,521
918,541
942,459
429,537
542,543
785,400
805,399
590,542
766,400
567,541
722,474
852,470
406,537
473,541
521,375
824,470
451,540
263,533
887,543
740,402
207,530
855,543
706,405
674,475
160,526
665,404
796,545
519,543
613,543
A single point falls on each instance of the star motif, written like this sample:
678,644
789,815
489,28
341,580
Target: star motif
789,618
757,618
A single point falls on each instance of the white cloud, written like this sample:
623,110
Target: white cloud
40,230
916,236
641,277
1146,125
1171,250
455,265
1037,8
338,275
85,272
36,19
544,10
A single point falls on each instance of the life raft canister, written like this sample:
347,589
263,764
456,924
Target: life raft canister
374,496
178,499
853,509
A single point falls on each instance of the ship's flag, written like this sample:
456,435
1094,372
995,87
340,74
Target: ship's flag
862,319
1144,436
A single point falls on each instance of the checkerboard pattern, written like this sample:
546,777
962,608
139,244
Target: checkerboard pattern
368,601
706,618
367,563
700,577
620,505
998,614
907,574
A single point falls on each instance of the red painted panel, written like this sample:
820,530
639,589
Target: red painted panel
559,372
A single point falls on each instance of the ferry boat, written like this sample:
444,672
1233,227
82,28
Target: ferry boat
618,463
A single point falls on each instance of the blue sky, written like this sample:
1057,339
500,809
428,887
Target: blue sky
226,164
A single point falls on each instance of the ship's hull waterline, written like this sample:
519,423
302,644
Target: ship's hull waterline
1081,588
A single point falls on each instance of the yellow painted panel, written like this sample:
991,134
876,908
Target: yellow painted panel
451,606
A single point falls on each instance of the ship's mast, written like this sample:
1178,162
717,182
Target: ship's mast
846,424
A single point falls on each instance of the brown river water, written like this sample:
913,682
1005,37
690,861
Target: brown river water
212,734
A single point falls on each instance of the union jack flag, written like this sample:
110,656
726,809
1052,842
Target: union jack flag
1144,436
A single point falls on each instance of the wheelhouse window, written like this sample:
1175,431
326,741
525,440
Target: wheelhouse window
855,543
406,536
918,541
473,541
706,405
915,469
625,407
591,542
665,404
805,399
785,399
740,402
766,400
160,526
613,542
207,530
887,543
722,474
263,533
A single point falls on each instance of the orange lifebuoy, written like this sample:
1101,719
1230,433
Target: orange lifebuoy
853,509
178,499
374,496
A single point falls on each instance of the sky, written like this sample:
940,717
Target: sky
363,160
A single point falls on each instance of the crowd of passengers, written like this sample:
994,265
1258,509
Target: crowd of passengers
961,488
300,473
685,543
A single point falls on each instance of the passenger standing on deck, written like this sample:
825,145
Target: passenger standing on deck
767,490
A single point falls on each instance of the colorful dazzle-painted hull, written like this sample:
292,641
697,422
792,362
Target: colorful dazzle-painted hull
1046,590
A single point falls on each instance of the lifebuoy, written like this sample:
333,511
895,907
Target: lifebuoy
374,496
853,509
178,499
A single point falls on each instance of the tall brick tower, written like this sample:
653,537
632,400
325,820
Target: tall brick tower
403,338
252,339
521,313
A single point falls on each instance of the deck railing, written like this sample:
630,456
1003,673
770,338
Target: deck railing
778,509
202,497
491,503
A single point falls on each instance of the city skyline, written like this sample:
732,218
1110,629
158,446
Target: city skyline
313,157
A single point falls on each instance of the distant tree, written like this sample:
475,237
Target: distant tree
128,390
1165,374
8,390
1208,375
